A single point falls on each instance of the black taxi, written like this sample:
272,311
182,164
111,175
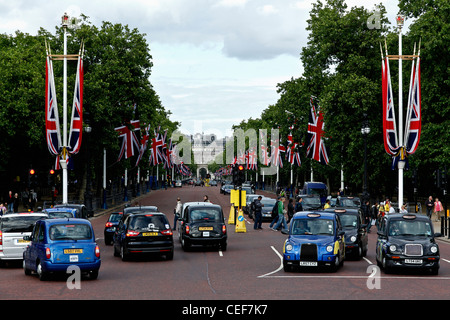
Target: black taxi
407,241
356,237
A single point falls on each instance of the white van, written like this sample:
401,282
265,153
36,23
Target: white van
13,227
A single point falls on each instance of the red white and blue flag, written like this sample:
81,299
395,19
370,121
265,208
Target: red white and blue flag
316,146
52,129
413,118
156,153
292,154
389,125
129,139
76,126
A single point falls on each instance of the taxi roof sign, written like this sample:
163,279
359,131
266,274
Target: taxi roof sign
409,216
313,215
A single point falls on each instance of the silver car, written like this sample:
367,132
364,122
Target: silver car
13,228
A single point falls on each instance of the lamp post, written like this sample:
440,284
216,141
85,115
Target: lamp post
401,164
365,130
88,192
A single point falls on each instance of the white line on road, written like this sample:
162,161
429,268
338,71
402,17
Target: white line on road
279,268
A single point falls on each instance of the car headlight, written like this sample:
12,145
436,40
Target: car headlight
434,249
392,248
352,238
329,248
289,247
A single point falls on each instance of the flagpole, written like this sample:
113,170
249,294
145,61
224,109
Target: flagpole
401,164
65,22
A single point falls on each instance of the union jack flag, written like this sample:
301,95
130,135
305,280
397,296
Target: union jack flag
252,157
156,154
129,139
144,144
389,126
413,118
316,147
276,148
52,128
76,127
292,155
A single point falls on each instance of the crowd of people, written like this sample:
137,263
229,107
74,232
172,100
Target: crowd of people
13,200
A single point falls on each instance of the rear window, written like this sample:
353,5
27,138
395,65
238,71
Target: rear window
70,231
148,223
23,223
205,214
60,214
115,217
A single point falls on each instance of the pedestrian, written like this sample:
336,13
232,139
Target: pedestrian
16,202
177,212
32,199
205,198
327,204
258,215
274,213
10,201
291,209
298,205
429,204
403,209
281,218
2,209
366,212
373,215
438,209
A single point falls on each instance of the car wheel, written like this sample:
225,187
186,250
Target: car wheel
41,273
385,266
337,263
123,255
93,275
25,269
185,244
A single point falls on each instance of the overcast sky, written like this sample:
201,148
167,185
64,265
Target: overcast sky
216,62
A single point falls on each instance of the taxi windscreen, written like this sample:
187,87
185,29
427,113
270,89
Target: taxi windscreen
349,220
410,228
70,231
205,214
312,227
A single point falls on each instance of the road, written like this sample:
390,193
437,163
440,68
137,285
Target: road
251,268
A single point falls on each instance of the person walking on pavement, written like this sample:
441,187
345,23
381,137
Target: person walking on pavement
291,210
429,204
258,215
298,205
438,209
281,218
177,212
10,201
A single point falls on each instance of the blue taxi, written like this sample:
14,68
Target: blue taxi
315,239
57,244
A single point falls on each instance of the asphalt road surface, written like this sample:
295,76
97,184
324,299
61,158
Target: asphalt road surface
250,269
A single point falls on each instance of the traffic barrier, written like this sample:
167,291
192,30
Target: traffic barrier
231,217
240,224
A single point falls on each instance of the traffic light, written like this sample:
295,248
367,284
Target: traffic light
240,174
32,172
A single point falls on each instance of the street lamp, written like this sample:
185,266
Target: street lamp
365,130
88,192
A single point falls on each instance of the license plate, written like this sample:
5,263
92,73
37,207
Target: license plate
308,263
206,234
71,251
205,229
413,261
149,234
21,241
